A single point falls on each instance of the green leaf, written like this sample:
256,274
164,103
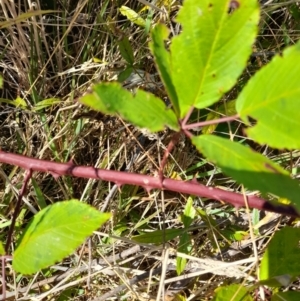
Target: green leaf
46,103
132,16
39,194
226,109
189,213
206,218
2,251
179,297
233,233
143,109
282,255
8,101
272,98
255,220
248,167
295,12
18,102
277,281
67,294
212,50
158,236
123,75
185,246
234,292
286,296
162,59
54,233
126,50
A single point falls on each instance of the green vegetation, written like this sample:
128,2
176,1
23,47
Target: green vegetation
216,86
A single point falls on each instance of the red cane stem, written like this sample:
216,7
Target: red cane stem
148,182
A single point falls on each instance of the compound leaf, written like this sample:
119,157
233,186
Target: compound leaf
54,233
248,167
143,109
212,50
272,98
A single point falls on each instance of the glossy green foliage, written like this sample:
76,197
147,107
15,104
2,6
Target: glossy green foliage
282,256
272,99
54,233
143,109
212,50
248,167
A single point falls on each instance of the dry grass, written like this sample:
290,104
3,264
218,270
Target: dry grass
59,56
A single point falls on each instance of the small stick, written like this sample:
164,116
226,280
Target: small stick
169,149
22,192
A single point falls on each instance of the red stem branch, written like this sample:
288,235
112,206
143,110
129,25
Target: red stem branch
167,153
148,182
209,122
